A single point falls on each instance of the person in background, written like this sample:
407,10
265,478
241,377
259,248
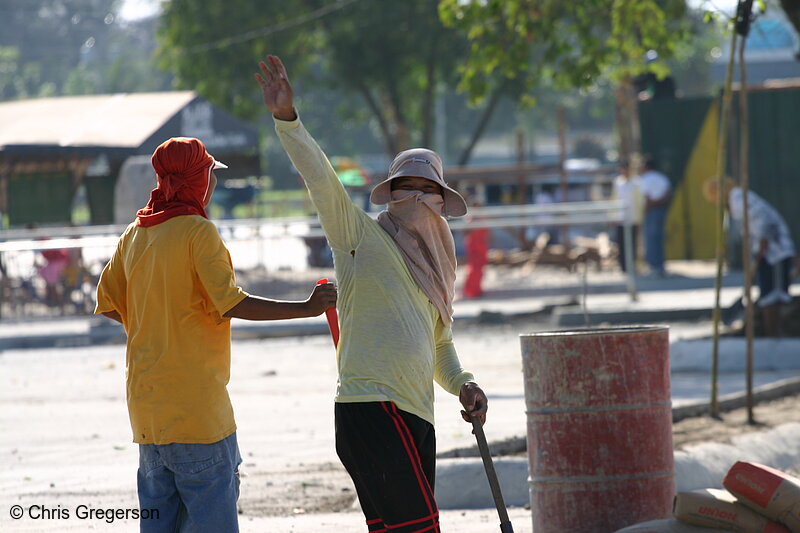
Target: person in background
397,280
75,275
171,284
546,195
656,189
627,189
476,243
771,244
52,272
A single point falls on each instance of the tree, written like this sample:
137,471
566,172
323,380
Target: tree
394,54
572,44
54,36
397,56
132,67
568,44
52,47
19,80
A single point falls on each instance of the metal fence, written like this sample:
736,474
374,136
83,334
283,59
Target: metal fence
54,271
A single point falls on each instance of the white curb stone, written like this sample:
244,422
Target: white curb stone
461,483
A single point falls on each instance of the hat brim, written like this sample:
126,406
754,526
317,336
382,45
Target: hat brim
218,165
454,204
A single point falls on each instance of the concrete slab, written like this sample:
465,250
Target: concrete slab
666,305
461,483
690,355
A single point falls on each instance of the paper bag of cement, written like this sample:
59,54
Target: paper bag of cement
770,492
718,509
667,526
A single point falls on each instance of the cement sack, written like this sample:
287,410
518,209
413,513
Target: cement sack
719,509
668,526
769,492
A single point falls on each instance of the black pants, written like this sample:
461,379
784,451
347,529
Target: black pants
774,278
391,457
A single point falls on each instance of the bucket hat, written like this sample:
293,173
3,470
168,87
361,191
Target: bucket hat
419,163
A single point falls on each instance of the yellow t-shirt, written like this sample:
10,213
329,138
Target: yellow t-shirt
171,284
393,343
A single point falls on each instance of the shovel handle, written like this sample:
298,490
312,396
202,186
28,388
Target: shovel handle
491,476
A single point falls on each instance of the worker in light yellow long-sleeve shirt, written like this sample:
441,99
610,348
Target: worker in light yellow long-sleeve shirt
396,284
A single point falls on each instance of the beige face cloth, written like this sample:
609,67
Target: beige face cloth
414,220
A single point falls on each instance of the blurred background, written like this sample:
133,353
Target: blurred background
528,102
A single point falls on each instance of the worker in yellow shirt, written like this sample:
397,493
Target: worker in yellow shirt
171,284
396,277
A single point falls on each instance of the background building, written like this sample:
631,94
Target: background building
52,149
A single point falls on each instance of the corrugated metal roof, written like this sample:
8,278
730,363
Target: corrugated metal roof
114,120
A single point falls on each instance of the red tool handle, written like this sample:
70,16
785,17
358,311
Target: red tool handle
333,318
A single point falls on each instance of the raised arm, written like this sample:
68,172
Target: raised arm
341,220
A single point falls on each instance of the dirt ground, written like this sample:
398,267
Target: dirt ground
284,414
282,390
766,415
321,488
306,488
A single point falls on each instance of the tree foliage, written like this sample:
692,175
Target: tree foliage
52,47
196,44
567,44
50,37
397,56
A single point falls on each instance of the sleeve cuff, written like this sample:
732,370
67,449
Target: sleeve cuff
231,304
462,378
287,124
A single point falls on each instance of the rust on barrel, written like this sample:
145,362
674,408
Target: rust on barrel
598,405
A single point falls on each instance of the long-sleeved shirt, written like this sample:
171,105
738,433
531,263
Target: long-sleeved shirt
393,343
765,223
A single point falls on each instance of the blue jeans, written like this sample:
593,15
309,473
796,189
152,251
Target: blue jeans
194,487
654,220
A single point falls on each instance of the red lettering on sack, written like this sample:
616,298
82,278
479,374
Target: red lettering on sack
717,513
757,484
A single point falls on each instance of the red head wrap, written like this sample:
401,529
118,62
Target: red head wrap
183,170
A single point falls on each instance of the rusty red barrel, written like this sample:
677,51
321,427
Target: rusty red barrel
599,428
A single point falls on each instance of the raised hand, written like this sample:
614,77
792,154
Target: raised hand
276,89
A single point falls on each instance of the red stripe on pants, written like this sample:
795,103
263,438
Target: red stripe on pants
411,450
